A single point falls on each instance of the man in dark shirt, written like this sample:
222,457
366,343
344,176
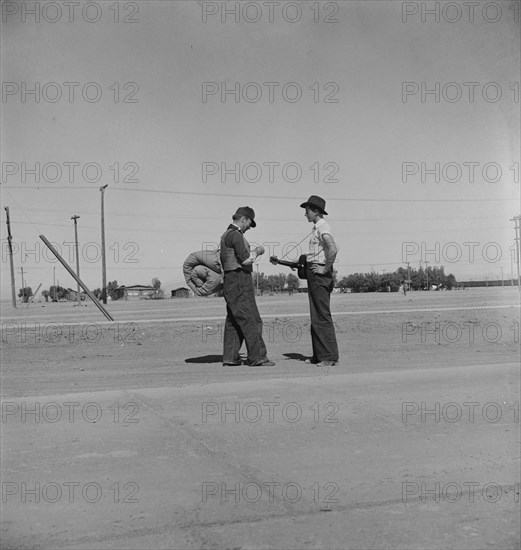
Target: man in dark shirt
243,321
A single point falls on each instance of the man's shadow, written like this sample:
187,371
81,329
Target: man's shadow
219,358
296,356
205,359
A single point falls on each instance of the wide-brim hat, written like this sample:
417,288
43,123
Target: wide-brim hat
248,212
316,202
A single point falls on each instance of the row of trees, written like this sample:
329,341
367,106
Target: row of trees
421,279
57,293
25,293
276,283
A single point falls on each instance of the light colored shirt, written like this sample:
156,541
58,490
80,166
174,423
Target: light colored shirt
316,254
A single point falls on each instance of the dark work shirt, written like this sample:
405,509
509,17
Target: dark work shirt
235,240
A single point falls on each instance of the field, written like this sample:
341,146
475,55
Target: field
131,434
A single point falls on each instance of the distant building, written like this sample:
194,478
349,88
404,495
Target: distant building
136,292
72,295
181,292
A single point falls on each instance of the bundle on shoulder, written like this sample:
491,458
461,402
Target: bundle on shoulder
203,273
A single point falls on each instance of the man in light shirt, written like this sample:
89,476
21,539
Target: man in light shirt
319,271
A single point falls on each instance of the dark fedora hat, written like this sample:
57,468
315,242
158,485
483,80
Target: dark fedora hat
316,202
246,211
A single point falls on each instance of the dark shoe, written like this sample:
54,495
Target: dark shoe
327,364
233,364
263,363
311,361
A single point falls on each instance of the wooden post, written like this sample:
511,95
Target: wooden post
77,256
31,298
77,279
103,262
9,239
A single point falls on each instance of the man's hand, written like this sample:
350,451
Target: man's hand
255,253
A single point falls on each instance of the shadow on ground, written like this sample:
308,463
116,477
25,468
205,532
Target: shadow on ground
205,359
296,356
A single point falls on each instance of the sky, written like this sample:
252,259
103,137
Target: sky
406,121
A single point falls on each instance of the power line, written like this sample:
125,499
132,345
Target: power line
265,197
192,231
190,216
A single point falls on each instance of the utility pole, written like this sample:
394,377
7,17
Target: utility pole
103,263
512,253
9,239
54,281
502,280
517,240
23,285
427,273
77,256
31,298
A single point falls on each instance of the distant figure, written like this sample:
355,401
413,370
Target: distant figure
404,288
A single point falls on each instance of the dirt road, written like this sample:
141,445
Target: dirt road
132,435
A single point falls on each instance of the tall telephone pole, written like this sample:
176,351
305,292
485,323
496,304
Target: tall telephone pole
77,256
103,262
9,239
23,284
517,242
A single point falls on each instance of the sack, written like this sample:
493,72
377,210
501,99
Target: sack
202,272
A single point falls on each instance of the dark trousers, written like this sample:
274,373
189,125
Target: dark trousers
323,336
243,321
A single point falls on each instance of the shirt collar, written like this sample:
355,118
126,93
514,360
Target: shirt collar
320,222
236,227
